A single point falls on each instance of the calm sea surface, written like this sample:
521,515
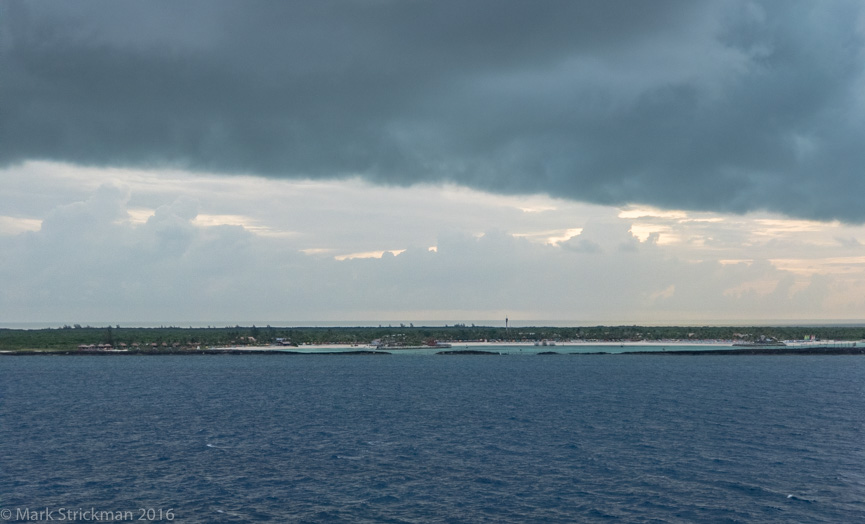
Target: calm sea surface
514,438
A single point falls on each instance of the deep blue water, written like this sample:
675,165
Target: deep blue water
512,438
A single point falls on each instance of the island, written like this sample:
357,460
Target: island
470,339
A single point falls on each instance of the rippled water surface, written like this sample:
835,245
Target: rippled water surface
557,438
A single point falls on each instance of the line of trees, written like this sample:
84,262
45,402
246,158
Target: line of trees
70,337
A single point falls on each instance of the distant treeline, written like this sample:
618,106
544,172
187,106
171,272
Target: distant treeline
70,337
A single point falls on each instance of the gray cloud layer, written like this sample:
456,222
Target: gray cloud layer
725,106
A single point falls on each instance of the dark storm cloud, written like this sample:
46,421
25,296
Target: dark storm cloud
727,106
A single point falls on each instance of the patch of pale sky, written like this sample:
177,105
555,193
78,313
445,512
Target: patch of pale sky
207,220
643,231
525,203
713,220
349,220
667,292
552,237
821,265
369,254
537,209
758,287
269,204
250,224
779,226
643,212
316,251
15,225
139,215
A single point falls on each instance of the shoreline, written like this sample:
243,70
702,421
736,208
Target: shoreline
822,349
613,339
772,351
183,352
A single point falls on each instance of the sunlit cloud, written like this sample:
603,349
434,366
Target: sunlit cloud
369,254
709,220
553,237
250,224
139,215
778,227
643,231
537,209
14,225
316,251
566,235
823,266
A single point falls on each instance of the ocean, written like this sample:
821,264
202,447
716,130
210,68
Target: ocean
431,438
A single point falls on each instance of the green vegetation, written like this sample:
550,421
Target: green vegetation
70,338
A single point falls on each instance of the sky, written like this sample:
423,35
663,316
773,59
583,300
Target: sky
667,162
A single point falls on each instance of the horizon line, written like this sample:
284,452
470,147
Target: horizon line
485,323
